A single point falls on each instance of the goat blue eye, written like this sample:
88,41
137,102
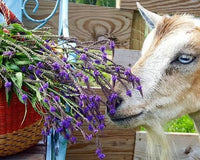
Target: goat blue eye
185,59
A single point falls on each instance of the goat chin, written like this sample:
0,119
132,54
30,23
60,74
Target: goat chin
157,143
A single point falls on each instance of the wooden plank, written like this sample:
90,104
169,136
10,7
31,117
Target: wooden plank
94,157
88,22
166,6
184,145
137,32
126,57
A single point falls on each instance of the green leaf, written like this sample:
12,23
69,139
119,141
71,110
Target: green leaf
19,79
38,95
8,97
12,66
1,59
18,95
25,62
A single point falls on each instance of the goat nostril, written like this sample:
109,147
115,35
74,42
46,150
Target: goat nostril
118,102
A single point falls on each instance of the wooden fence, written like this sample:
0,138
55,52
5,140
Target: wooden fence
126,27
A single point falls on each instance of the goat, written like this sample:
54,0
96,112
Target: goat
169,71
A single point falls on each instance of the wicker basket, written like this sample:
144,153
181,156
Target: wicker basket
16,136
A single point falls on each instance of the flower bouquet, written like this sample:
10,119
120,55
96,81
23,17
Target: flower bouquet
56,74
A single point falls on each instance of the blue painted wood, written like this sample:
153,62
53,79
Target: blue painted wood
41,21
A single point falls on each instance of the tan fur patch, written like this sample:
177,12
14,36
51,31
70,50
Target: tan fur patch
166,27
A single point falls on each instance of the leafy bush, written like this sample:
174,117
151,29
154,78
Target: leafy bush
183,124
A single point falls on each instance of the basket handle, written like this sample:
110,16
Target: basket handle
8,14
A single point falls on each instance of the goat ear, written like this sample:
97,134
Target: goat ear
151,18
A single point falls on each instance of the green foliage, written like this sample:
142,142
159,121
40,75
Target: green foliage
183,124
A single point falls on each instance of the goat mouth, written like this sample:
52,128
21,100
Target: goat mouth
127,118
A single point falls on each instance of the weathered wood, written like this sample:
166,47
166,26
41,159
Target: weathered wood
137,32
185,146
88,22
126,57
166,6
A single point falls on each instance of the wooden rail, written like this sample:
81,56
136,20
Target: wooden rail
164,6
185,146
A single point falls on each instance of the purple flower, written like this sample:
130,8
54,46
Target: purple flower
97,98
40,65
24,97
56,98
83,57
48,47
65,123
45,85
97,61
59,129
23,69
52,109
139,88
32,77
8,53
112,111
137,79
83,96
38,72
101,127
98,151
104,57
96,73
64,59
76,116
67,136
85,79
127,72
114,78
46,100
89,137
73,139
101,117
89,118
8,84
117,69
79,74
86,110
31,67
86,49
101,156
56,66
128,93
90,128
67,66
102,49
112,45
132,78
67,76
41,89
79,124
80,103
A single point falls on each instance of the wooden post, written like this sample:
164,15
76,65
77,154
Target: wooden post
137,32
